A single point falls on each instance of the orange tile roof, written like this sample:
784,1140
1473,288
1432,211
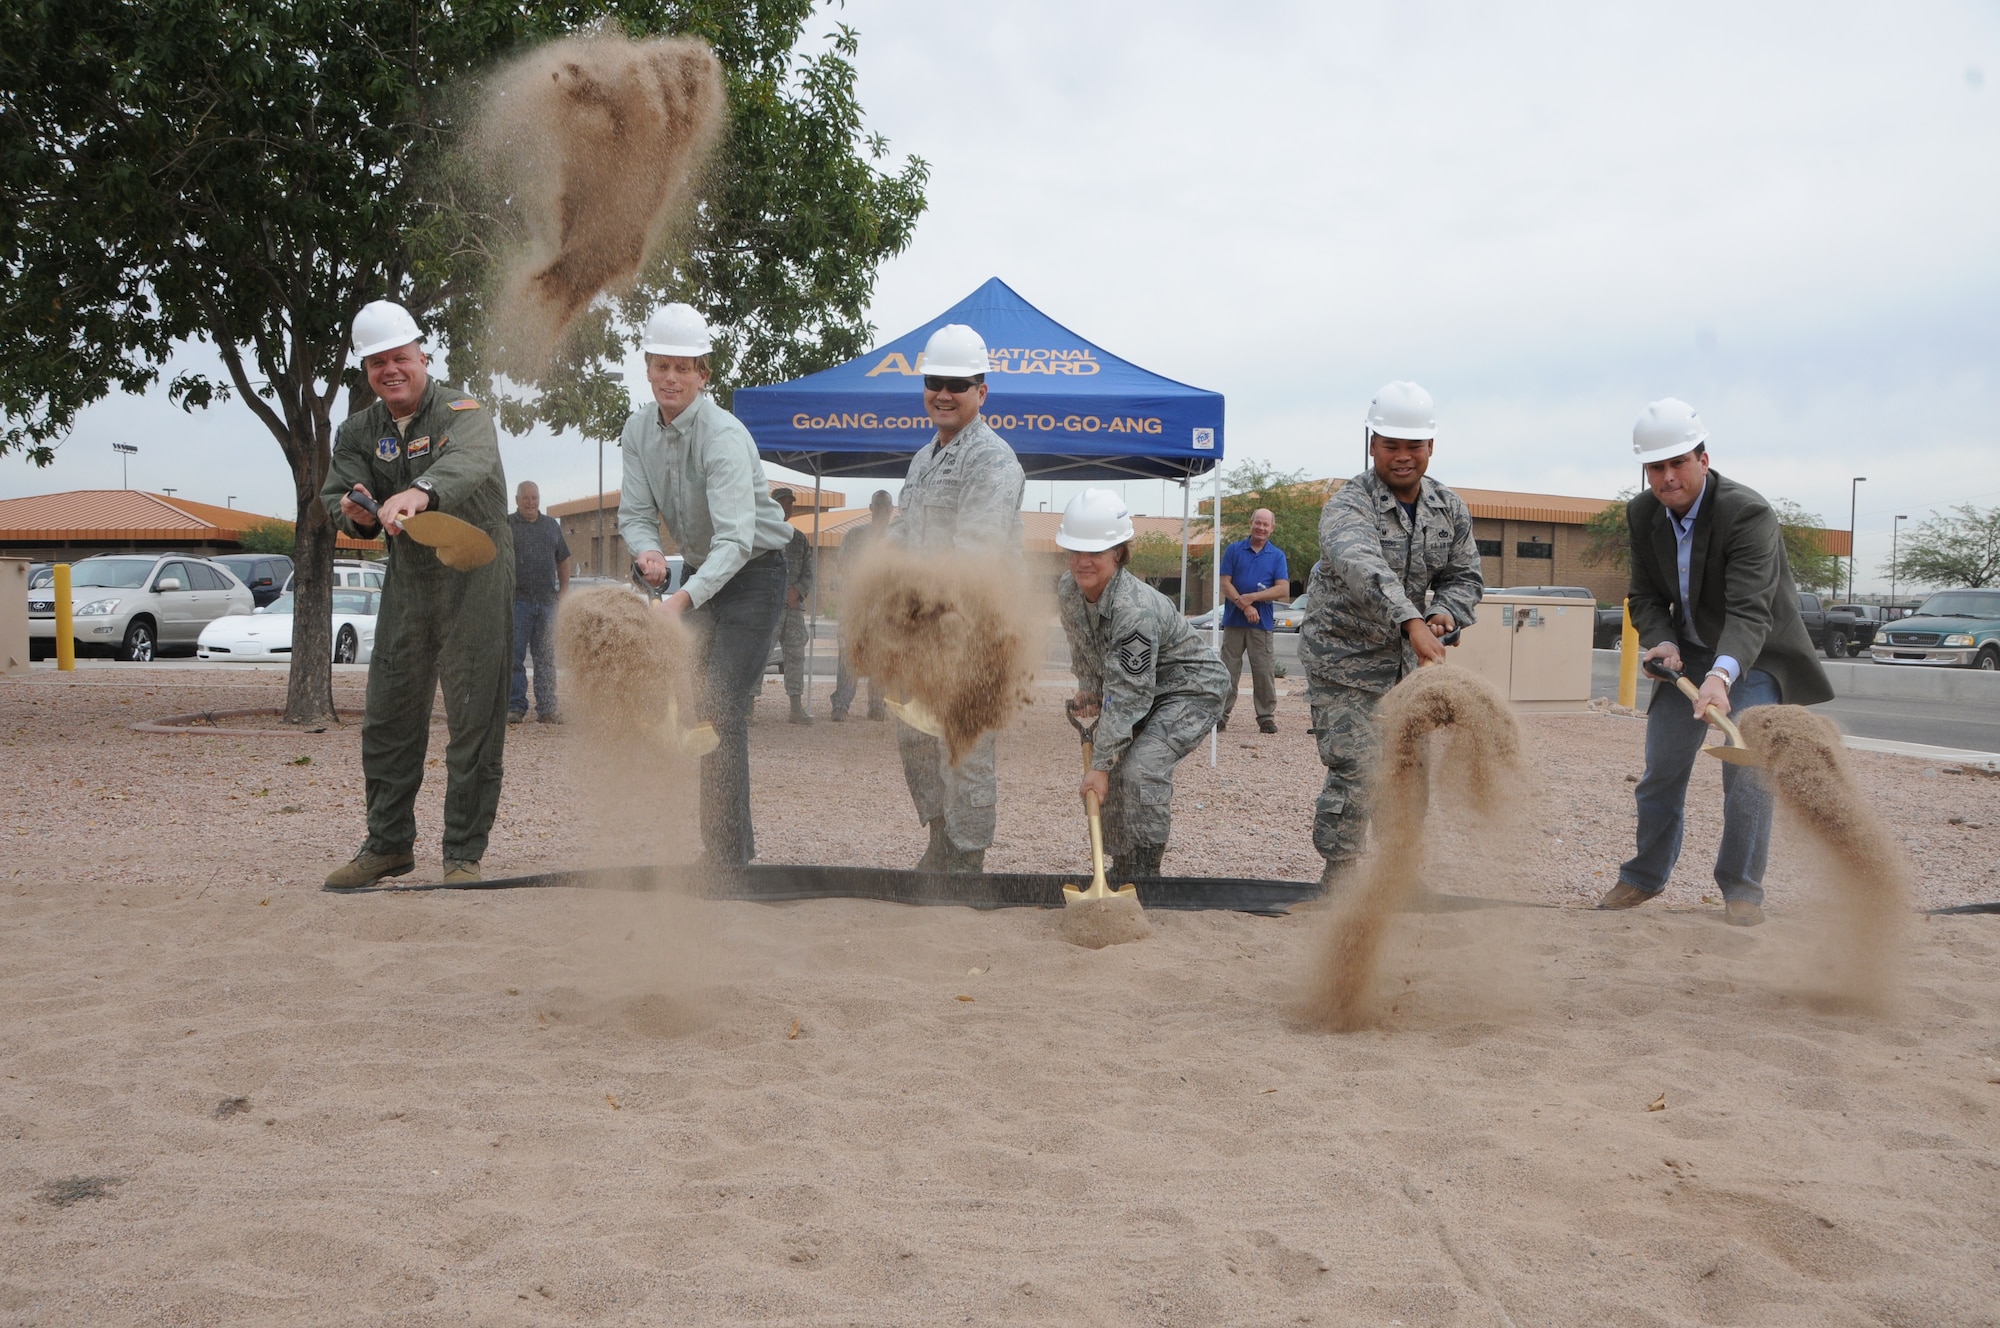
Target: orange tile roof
131,514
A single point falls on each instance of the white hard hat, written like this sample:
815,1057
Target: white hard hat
383,325
677,329
955,351
1402,410
1094,521
1666,429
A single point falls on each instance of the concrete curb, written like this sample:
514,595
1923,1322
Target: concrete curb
1865,679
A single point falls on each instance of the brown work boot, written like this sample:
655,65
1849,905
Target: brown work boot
799,714
1334,876
461,871
938,850
1623,895
963,861
1265,724
367,868
1741,913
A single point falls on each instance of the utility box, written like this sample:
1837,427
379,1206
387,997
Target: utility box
13,615
1534,648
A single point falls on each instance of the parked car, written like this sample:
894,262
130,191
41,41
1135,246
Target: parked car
1556,592
350,574
1869,620
41,576
1832,630
1953,627
267,574
1610,630
138,605
266,635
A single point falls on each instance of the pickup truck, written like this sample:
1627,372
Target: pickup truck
1835,630
1869,620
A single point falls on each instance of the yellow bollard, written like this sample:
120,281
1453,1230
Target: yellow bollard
1628,662
65,621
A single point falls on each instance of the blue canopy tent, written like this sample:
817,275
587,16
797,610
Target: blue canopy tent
1071,410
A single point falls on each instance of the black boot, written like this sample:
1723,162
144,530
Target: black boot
1137,864
940,847
964,861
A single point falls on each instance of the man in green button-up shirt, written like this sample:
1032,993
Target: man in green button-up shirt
690,467
424,447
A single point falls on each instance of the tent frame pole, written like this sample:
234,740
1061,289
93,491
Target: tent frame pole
812,629
1215,597
1186,481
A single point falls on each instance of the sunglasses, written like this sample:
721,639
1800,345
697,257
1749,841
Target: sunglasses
933,384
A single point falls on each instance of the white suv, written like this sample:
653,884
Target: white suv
138,605
350,574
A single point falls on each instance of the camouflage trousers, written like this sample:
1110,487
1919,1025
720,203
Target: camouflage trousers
963,794
792,637
1139,811
1350,745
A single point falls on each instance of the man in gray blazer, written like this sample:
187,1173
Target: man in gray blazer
1712,596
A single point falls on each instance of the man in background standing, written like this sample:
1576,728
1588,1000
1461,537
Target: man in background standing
800,576
541,575
1254,575
854,546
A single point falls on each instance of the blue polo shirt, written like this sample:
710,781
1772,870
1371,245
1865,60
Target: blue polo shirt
1250,571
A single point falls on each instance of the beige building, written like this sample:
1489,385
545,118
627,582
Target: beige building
580,526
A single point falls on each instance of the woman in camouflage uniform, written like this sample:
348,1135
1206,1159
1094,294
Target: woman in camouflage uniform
1153,686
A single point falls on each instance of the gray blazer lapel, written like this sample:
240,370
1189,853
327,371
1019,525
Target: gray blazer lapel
1666,560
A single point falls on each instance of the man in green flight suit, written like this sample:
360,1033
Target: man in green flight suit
425,447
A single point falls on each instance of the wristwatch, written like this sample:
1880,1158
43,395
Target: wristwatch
430,494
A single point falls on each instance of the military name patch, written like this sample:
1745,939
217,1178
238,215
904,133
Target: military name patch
465,403
1135,655
387,449
419,446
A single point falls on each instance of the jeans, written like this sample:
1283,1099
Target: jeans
1673,744
534,627
737,626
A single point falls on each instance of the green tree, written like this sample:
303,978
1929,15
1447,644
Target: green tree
249,173
1607,539
1951,551
269,537
1295,504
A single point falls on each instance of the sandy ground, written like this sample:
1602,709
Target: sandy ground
229,1098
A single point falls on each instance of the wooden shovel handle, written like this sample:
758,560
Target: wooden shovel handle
1715,715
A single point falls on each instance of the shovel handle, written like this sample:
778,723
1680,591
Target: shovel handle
1659,669
359,497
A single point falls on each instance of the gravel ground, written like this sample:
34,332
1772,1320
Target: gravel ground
89,800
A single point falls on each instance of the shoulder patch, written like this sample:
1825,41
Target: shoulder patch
464,403
1135,654
387,449
419,446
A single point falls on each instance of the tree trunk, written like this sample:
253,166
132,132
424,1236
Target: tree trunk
309,697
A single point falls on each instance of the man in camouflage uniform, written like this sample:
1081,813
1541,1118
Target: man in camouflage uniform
425,447
801,572
963,493
1398,569
1154,687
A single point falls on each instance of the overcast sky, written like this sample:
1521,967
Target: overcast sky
1547,215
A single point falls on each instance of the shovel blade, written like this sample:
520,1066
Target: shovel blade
460,545
1733,755
918,716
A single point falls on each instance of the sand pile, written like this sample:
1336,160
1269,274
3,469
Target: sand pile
1808,770
958,633
630,696
1482,769
598,143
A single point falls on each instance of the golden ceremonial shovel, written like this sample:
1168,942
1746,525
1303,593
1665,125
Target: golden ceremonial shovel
697,741
1098,888
460,545
1736,752
917,715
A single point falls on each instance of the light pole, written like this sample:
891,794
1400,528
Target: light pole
125,451
232,500
1852,489
1895,530
169,492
